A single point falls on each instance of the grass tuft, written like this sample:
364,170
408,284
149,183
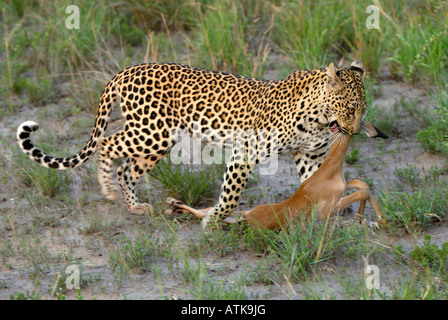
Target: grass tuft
185,184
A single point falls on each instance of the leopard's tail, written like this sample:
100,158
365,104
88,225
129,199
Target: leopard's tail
108,97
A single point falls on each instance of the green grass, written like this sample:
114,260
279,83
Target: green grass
222,34
429,255
307,46
38,258
419,45
220,242
133,255
302,244
434,138
25,296
262,272
186,184
415,211
49,183
210,290
221,40
352,157
409,174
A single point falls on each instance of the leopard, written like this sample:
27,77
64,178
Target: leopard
160,100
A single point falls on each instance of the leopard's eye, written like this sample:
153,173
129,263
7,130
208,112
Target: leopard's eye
351,110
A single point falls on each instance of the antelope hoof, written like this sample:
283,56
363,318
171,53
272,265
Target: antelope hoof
374,225
173,202
360,219
175,210
382,222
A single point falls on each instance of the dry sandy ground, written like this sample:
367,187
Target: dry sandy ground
379,160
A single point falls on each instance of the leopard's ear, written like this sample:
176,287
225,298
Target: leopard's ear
359,68
334,83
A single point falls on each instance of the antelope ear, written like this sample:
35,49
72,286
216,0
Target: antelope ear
359,68
372,131
334,83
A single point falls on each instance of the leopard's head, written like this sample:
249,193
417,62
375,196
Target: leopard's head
345,98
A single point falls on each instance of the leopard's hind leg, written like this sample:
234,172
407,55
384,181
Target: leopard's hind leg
128,175
109,149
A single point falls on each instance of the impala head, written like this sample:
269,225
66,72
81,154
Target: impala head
346,98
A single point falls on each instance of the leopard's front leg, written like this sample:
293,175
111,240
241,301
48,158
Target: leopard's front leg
235,179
